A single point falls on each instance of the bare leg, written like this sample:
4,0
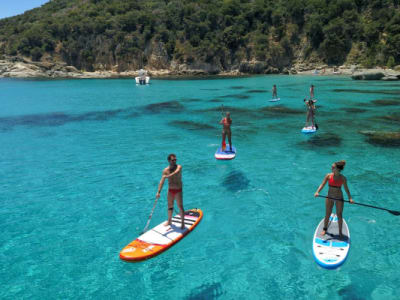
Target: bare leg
308,119
328,211
170,199
223,138
339,213
230,139
179,201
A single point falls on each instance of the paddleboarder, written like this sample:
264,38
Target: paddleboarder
310,104
335,181
274,92
312,92
174,174
226,130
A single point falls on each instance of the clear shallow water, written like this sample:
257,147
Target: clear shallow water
81,160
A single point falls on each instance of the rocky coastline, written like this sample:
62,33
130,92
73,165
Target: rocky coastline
20,67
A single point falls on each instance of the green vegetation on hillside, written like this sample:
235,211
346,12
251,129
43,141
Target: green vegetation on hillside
96,34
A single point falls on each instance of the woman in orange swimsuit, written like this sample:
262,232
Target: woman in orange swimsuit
335,181
226,130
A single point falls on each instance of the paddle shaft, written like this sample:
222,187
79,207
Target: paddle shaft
148,221
367,205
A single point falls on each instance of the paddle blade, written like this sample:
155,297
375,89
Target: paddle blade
316,126
394,212
223,145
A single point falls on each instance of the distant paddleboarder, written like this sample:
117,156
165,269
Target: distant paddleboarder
335,181
310,104
174,174
274,92
311,92
226,130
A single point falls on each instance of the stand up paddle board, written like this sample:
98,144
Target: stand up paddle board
309,129
329,251
274,100
227,154
161,237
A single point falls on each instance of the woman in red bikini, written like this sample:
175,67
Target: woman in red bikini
335,181
226,130
174,174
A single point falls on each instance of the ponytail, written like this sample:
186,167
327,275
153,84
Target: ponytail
340,164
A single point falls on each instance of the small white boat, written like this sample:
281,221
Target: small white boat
142,78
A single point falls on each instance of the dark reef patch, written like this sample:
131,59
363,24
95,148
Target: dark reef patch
190,125
237,87
235,181
257,91
385,102
385,92
280,109
395,117
191,99
169,106
354,110
322,140
206,291
236,96
216,100
59,119
382,138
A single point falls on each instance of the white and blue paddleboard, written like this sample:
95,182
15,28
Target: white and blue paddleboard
227,154
274,100
329,251
309,129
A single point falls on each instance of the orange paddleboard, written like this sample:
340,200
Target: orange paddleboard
160,238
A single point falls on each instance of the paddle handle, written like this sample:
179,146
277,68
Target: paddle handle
336,199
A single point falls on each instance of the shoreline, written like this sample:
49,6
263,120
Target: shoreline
17,67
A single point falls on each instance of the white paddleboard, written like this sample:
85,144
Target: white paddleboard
309,129
227,154
274,100
329,251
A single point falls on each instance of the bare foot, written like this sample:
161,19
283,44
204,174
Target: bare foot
167,224
323,232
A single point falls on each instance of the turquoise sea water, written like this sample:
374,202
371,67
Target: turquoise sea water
80,161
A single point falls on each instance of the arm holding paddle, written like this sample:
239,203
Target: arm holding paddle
322,185
160,185
178,169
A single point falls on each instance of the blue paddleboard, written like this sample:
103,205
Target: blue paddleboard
227,154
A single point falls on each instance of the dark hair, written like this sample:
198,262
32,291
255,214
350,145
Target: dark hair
340,164
170,156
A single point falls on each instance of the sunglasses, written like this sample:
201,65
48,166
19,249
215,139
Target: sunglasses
172,159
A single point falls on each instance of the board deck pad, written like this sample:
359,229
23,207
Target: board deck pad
329,250
160,238
309,129
227,154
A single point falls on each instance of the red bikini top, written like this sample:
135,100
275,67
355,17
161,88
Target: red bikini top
334,183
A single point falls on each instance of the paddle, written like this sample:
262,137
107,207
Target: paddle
393,212
223,146
148,221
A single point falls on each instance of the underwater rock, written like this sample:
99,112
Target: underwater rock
206,291
354,110
235,181
169,106
382,138
257,91
237,96
385,102
240,87
280,109
190,125
323,140
369,75
392,117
